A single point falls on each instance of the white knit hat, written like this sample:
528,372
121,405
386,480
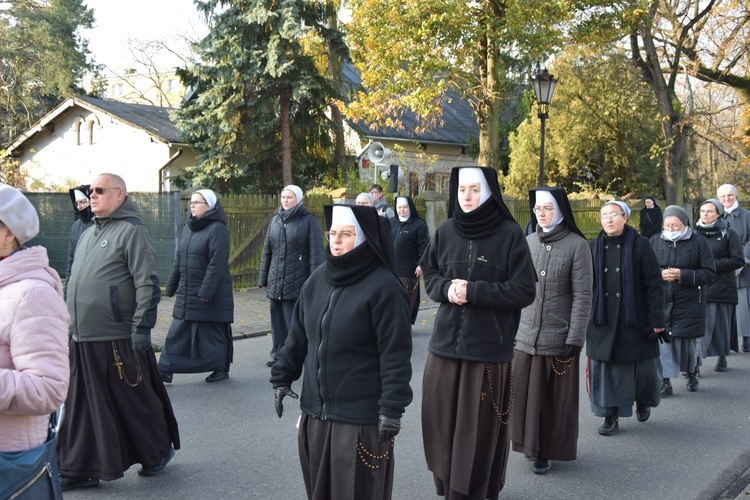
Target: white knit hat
473,175
294,189
209,196
344,216
18,214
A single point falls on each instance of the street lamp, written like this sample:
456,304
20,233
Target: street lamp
544,86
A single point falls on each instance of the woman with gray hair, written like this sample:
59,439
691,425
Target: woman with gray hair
721,295
687,267
625,328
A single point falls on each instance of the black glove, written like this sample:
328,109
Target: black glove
664,337
279,394
573,351
141,341
388,427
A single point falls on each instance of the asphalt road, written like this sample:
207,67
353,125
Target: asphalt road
695,446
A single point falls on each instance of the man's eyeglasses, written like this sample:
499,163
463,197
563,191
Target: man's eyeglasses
547,210
610,216
196,203
344,235
100,190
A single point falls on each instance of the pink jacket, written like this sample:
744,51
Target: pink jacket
34,367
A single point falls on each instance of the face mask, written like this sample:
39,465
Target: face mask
672,235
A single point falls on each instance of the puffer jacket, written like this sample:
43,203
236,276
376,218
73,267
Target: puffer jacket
292,250
34,368
727,251
500,277
200,274
685,299
560,314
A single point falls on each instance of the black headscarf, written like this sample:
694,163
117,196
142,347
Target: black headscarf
487,218
86,214
377,248
561,197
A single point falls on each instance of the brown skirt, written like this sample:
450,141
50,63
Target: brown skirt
465,412
343,461
108,425
545,411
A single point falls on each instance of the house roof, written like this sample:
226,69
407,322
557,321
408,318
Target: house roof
459,123
153,120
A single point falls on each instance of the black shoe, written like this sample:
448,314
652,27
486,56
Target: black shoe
69,482
666,387
158,468
167,378
721,365
745,344
217,377
270,362
642,412
692,383
541,466
609,426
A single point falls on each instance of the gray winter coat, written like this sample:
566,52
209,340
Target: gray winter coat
559,315
292,250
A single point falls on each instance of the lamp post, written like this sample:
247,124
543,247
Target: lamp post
544,86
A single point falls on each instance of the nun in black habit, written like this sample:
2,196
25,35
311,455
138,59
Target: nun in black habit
351,336
478,267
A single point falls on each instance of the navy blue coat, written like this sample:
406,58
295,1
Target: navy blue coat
201,271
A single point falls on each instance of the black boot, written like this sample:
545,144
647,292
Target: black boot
692,383
609,426
745,344
721,365
666,387
541,466
642,412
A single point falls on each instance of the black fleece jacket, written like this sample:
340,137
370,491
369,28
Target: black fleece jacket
354,343
502,281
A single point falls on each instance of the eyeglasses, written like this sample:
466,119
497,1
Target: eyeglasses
196,203
100,190
611,216
547,210
344,235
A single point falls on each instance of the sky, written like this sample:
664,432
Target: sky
116,22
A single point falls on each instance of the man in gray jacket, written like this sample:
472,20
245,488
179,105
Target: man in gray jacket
117,410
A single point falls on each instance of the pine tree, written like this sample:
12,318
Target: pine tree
260,101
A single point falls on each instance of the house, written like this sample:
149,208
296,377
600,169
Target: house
85,136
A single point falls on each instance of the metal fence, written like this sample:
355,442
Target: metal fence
162,213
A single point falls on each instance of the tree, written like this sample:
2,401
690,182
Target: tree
257,91
412,53
603,132
42,56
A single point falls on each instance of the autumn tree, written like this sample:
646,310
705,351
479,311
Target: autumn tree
42,56
258,92
411,54
603,132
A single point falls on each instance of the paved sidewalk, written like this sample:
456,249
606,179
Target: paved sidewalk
251,315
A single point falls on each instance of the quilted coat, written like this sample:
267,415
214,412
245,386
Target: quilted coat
292,250
34,369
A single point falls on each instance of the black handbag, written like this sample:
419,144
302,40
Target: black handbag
32,474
